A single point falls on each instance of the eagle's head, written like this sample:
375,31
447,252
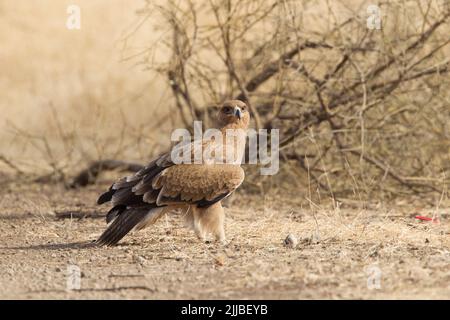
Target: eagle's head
234,112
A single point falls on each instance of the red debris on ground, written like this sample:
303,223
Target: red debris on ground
423,218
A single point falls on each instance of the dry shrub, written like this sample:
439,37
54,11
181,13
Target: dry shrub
360,111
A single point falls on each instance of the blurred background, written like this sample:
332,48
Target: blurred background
360,93
76,89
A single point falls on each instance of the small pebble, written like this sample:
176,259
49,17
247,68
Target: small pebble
139,259
315,238
290,241
219,260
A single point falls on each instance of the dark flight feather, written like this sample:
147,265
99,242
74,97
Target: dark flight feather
207,203
105,197
123,183
114,212
202,203
121,225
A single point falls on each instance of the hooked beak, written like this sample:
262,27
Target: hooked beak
238,112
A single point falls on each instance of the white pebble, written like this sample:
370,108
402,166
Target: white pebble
290,241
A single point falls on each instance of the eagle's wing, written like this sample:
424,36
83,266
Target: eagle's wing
135,190
120,193
142,196
202,185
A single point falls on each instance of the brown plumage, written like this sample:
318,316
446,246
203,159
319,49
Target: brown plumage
164,186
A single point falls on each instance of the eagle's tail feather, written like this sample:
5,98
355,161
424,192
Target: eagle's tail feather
121,225
114,212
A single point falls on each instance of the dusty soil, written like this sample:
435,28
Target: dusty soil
338,251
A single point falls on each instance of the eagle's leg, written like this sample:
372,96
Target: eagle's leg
199,231
219,231
210,220
192,219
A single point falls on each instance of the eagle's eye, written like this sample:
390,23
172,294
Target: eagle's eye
227,109
244,108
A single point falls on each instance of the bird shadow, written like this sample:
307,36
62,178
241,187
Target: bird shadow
72,245
56,246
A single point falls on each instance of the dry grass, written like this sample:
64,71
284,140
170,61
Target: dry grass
336,248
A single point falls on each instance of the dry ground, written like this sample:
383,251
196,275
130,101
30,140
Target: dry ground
168,262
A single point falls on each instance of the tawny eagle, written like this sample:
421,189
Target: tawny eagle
198,188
